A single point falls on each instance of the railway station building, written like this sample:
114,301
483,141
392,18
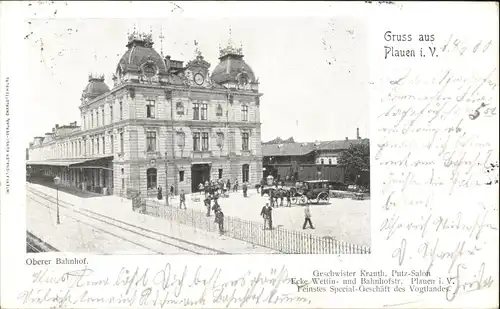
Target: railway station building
164,122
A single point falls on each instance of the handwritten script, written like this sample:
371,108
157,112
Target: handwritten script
170,286
438,210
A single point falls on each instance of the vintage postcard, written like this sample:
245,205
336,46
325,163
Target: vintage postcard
249,154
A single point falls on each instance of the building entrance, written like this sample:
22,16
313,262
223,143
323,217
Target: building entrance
199,174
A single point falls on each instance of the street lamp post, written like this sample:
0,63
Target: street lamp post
56,179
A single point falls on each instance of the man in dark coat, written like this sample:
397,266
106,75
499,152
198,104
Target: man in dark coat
219,219
245,188
160,195
267,214
207,202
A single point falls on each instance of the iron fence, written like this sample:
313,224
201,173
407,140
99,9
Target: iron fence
280,239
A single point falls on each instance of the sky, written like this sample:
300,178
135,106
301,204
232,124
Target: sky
313,72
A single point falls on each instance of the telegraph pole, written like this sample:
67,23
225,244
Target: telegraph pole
167,191
57,200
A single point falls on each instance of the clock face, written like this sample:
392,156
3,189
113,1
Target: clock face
199,79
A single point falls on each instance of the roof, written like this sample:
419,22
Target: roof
231,68
300,149
287,149
95,88
138,55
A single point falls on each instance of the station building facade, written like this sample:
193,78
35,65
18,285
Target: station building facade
163,123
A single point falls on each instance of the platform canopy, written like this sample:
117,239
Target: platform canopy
67,162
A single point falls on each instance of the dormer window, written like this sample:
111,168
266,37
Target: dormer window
148,70
179,108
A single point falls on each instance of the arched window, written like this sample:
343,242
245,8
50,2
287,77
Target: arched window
151,175
179,107
181,139
245,172
322,161
218,112
330,161
220,139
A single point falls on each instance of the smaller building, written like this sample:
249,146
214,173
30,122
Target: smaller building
287,159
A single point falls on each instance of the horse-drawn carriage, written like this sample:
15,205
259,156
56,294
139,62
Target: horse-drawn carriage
310,191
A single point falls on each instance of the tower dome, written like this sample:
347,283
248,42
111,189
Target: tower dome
232,67
95,87
140,57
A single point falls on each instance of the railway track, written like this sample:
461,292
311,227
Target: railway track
152,240
36,245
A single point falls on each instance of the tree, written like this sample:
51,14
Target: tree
356,159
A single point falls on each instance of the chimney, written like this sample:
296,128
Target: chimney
167,61
357,133
53,130
346,138
57,126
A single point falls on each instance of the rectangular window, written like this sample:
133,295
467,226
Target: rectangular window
92,149
204,139
204,108
97,143
111,113
244,145
121,111
151,141
181,176
103,117
84,123
121,142
196,141
92,120
196,111
220,173
112,143
103,145
244,113
150,109
97,118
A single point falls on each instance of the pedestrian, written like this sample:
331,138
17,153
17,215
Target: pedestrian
216,206
160,195
271,197
236,185
183,199
201,187
289,198
228,185
245,188
207,204
219,219
267,215
171,191
262,184
307,217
